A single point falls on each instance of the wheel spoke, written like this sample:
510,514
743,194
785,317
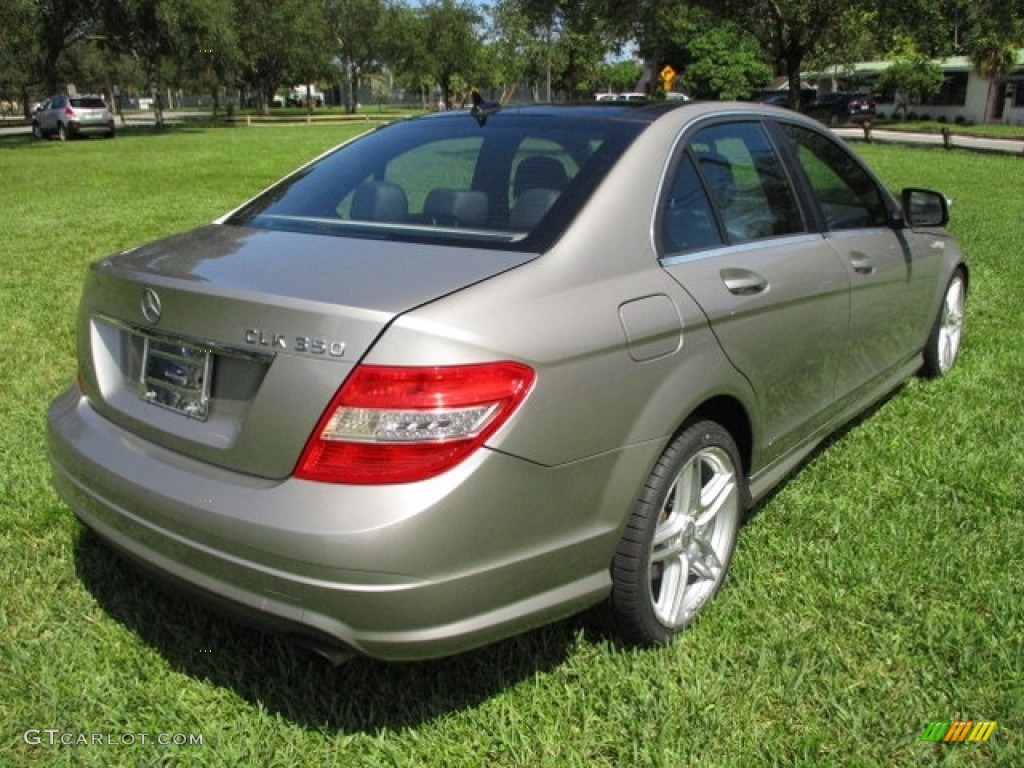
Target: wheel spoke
714,496
667,536
667,542
704,561
671,601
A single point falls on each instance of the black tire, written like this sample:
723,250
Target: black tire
37,131
693,502
942,349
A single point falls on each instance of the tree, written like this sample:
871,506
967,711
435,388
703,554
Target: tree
994,32
622,75
723,65
403,48
207,54
354,28
455,35
18,49
789,32
518,51
574,38
988,32
272,37
168,38
911,80
715,57
59,25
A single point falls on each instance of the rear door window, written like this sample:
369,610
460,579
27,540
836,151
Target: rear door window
747,181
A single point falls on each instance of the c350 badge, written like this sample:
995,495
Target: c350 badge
312,345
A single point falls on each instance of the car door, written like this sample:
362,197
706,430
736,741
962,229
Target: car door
775,293
889,283
44,115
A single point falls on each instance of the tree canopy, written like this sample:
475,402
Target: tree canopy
561,49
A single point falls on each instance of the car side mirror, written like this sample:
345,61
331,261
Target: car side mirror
924,208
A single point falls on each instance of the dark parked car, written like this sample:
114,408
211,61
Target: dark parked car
475,371
781,98
65,117
841,107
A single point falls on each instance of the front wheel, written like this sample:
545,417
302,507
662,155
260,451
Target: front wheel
943,346
677,546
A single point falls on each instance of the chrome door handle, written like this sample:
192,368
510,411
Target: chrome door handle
743,282
862,265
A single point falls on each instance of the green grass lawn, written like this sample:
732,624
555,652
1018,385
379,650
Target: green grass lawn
878,590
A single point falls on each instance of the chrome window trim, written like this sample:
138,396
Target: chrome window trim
672,260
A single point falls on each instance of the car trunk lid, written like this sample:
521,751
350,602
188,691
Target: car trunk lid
226,343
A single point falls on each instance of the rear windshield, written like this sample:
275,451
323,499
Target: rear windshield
513,182
87,102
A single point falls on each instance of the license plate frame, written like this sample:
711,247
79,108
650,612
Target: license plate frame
176,376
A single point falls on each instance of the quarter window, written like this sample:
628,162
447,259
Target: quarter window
847,195
687,221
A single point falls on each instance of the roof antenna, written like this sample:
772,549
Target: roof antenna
483,109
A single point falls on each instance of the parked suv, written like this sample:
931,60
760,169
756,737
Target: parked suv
67,116
841,107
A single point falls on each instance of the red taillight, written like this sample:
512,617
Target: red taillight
69,112
399,425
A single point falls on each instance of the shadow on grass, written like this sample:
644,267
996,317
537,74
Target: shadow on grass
360,695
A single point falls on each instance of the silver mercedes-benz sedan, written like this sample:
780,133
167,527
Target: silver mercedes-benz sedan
475,371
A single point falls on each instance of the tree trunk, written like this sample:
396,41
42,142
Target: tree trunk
50,78
158,107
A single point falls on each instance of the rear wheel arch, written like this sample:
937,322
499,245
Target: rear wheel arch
732,416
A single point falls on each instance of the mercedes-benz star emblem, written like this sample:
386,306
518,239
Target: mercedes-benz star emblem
151,308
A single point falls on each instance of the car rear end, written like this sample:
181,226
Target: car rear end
193,438
88,115
860,107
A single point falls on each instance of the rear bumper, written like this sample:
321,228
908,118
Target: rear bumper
493,547
76,128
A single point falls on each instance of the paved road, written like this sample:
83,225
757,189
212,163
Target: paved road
882,136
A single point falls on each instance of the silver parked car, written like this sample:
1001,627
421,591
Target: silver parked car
64,117
475,371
